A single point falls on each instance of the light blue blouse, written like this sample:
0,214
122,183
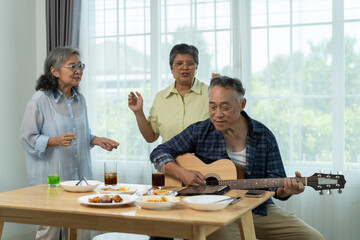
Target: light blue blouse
48,116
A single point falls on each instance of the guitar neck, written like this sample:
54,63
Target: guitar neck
258,183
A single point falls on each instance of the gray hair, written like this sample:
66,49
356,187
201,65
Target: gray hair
184,48
56,58
228,82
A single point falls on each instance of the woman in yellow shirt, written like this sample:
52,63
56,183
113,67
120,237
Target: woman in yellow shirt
174,108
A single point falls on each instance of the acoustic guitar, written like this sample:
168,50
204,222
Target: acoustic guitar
225,172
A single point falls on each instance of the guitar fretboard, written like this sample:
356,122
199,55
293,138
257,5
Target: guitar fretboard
258,183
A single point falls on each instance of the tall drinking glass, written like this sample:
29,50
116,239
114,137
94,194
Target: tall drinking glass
158,177
110,173
53,173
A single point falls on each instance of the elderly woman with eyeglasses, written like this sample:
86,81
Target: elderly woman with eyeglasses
184,102
55,125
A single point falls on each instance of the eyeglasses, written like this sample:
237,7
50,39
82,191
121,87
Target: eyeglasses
74,67
190,65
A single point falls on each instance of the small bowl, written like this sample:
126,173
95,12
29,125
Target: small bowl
143,203
82,187
207,202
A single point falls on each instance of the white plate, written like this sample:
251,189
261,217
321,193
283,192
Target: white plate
117,189
85,200
206,202
157,192
141,202
82,187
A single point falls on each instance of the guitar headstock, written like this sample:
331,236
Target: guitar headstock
323,181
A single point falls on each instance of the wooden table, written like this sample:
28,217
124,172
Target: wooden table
40,205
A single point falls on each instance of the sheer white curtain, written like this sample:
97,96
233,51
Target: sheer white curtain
126,45
299,61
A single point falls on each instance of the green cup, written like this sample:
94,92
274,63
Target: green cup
53,174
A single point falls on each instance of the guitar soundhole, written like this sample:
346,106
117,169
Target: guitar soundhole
212,181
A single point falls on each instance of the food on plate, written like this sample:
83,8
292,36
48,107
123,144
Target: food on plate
96,199
115,189
157,192
160,192
117,199
105,199
150,199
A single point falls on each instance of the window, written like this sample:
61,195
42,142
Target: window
126,45
299,61
301,89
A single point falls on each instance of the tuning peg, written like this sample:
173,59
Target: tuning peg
339,172
340,191
321,192
329,192
321,171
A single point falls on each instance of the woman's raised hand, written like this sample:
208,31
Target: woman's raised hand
214,75
135,102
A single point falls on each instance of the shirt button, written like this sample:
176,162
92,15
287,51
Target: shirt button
72,116
75,156
74,142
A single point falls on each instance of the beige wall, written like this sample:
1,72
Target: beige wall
22,52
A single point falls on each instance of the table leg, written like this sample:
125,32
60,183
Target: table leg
72,234
246,226
1,227
198,233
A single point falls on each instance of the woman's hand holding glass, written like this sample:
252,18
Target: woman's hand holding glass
64,140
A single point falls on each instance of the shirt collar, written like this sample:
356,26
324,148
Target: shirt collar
252,126
60,94
196,88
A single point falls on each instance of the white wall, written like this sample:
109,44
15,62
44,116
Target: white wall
22,53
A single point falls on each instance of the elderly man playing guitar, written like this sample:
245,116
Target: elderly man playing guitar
231,134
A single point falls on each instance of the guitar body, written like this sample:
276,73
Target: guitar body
223,169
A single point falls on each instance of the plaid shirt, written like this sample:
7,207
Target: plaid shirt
263,158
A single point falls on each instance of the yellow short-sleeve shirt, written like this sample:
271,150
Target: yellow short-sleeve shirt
170,114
